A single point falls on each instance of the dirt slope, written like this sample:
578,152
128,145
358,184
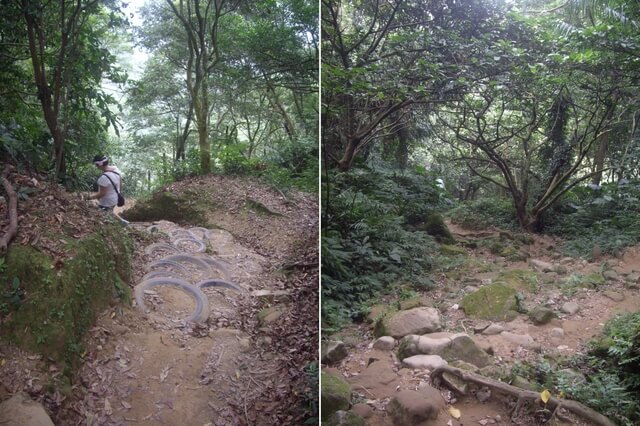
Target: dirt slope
236,367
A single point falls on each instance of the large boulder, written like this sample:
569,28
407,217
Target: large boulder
449,346
345,418
335,394
541,315
429,362
20,410
413,321
496,302
333,352
409,408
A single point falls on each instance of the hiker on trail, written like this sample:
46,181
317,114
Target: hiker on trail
109,185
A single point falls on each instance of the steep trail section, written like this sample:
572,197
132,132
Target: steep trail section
244,363
150,366
560,304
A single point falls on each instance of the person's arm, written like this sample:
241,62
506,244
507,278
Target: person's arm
102,191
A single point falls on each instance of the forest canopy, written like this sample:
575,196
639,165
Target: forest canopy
228,86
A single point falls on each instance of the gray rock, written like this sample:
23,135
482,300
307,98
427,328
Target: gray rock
335,395
363,410
610,275
522,383
385,343
523,340
413,321
21,410
566,261
571,377
570,308
493,329
449,346
633,277
614,295
411,408
560,269
345,418
483,394
557,332
333,352
541,315
540,265
430,362
469,289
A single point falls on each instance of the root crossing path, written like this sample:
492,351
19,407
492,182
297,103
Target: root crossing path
178,356
580,295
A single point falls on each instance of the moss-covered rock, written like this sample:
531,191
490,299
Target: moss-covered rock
496,302
335,394
519,279
345,418
184,210
451,250
435,226
60,302
541,315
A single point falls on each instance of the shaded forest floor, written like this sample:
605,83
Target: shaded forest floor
376,376
249,362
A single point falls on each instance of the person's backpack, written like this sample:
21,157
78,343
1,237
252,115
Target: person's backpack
120,196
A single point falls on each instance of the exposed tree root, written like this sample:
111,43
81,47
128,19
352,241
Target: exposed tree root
12,230
522,395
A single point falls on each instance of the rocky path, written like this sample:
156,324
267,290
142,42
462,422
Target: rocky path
150,366
501,301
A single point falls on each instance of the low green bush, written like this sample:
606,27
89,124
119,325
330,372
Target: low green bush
484,213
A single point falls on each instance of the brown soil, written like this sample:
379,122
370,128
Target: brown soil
149,369
376,376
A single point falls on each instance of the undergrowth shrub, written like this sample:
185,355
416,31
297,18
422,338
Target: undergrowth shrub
366,243
610,380
607,217
486,212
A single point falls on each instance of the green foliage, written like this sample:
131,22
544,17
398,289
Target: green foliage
484,213
607,378
608,217
366,243
312,395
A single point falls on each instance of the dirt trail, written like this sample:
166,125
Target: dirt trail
376,376
232,368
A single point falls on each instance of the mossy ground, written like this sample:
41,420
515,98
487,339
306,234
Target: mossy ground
60,300
519,279
495,302
335,394
186,209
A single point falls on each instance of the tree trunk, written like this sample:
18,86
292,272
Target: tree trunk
344,164
598,160
402,149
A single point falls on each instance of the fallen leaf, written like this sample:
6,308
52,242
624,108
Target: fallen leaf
126,405
545,395
2,362
454,412
107,407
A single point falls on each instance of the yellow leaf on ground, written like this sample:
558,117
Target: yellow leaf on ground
545,395
2,362
455,413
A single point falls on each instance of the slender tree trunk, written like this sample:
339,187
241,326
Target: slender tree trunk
598,160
